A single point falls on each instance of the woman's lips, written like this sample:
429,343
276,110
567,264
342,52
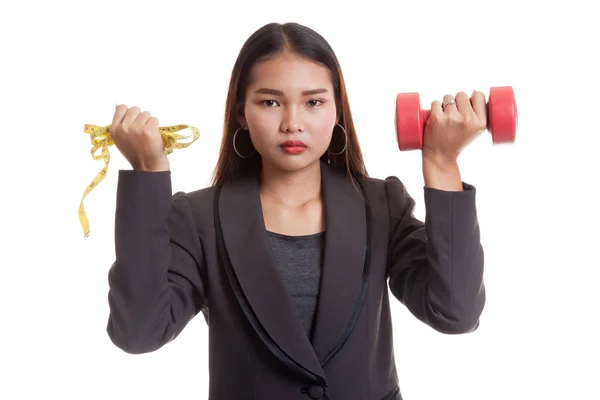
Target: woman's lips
293,146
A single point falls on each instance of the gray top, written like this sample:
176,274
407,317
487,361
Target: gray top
299,260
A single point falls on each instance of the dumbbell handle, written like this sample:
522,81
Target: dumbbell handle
426,113
417,142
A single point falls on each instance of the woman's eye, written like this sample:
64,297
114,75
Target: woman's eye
266,102
273,103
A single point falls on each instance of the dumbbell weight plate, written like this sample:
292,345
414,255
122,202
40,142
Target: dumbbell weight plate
502,115
410,121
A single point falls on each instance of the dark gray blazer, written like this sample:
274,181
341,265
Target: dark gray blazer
208,250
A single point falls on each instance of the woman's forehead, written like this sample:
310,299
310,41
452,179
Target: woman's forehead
289,73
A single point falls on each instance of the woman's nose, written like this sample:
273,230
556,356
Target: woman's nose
290,122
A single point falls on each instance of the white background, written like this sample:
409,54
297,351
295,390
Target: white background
66,64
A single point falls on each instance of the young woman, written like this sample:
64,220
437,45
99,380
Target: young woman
289,254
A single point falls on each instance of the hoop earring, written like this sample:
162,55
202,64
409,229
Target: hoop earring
235,147
345,142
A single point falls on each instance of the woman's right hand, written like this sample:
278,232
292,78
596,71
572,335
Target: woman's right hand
137,137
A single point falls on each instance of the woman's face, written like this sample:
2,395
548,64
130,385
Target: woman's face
290,111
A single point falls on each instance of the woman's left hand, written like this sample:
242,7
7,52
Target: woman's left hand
453,124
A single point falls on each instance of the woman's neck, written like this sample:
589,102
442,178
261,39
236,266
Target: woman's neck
291,188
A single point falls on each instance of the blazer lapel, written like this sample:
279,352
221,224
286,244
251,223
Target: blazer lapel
248,260
346,262
256,280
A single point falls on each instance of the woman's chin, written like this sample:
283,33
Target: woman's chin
292,162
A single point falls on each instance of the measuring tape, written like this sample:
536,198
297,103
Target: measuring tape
101,140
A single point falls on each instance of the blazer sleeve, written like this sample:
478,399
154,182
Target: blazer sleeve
155,283
435,268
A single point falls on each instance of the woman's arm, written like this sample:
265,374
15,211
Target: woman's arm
436,267
155,284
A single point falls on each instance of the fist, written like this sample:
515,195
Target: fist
453,124
136,135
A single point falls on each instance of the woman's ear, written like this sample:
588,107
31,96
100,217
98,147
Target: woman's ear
240,116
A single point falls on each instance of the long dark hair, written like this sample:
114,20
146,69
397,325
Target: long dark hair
267,42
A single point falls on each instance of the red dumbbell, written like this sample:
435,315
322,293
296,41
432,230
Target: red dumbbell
411,118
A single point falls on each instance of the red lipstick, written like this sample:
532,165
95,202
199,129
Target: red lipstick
293,146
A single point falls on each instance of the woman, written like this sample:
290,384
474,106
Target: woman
289,252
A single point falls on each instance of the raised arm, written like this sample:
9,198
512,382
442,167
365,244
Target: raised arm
155,285
435,268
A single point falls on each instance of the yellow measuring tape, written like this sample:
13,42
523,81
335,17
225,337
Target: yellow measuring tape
101,140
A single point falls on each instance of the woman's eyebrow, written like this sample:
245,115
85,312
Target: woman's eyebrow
280,93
